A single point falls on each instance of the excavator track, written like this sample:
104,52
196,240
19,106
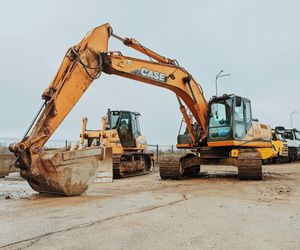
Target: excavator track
129,165
249,165
171,167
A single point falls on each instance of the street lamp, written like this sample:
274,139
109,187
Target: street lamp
293,113
218,76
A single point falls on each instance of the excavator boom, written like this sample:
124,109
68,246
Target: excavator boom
79,68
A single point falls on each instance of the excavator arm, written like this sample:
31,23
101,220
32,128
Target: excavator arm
81,65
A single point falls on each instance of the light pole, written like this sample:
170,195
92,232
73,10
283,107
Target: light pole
293,113
218,76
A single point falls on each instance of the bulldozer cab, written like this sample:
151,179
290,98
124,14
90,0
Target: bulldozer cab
230,118
127,125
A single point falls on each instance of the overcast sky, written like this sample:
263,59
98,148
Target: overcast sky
257,42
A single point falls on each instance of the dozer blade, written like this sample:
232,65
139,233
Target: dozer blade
66,172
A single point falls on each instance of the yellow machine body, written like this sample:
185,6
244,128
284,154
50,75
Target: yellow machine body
128,144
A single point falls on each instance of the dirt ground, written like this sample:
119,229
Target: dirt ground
213,211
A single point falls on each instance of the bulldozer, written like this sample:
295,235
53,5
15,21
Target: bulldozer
219,131
121,131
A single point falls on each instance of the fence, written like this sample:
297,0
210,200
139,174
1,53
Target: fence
157,149
5,142
164,150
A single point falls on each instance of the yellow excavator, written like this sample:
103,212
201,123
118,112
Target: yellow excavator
121,131
221,131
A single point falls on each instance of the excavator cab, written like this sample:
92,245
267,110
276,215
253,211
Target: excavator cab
230,118
127,125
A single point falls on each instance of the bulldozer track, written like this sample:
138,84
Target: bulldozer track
120,170
249,165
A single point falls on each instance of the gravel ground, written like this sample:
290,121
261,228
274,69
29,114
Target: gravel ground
213,211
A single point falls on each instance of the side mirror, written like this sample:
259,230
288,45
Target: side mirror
238,101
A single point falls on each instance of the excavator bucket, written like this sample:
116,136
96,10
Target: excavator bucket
66,172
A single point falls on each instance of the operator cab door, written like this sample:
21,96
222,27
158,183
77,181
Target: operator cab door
220,120
242,118
125,130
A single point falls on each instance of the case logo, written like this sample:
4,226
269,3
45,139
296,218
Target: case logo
154,75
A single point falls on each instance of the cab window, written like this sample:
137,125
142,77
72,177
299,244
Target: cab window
289,135
248,114
135,125
239,114
114,119
281,137
297,135
239,120
219,120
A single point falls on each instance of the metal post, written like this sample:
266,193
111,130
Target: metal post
157,153
216,80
